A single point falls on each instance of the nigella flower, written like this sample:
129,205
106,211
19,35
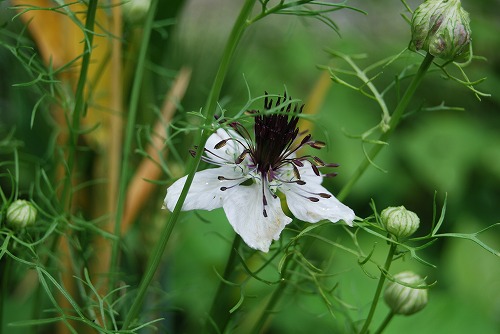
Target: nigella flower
254,169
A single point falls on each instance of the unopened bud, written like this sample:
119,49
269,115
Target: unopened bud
135,11
403,299
20,214
399,222
440,27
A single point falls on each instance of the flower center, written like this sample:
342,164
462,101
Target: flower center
271,155
274,134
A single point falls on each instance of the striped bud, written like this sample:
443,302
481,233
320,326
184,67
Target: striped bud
399,222
403,299
441,28
20,214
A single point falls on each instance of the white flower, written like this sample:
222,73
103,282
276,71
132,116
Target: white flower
252,172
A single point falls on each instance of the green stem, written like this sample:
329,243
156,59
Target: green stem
219,312
129,135
5,288
380,286
387,319
273,301
78,111
74,130
393,123
287,270
210,108
38,299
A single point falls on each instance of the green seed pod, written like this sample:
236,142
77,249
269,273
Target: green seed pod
405,300
440,27
20,214
399,222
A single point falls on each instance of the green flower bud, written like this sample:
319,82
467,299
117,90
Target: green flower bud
20,214
135,11
440,27
399,222
405,300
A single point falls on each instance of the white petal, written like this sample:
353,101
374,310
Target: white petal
244,210
204,193
297,198
227,153
307,174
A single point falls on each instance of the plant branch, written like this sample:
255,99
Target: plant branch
393,123
387,319
220,310
79,108
380,286
129,135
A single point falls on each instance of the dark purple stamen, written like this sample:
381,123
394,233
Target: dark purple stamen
274,144
221,144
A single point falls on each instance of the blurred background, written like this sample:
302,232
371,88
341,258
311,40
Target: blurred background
453,153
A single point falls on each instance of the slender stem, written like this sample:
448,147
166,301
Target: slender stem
154,261
116,130
376,94
380,286
38,299
393,123
288,269
74,130
4,278
79,108
273,301
129,135
219,312
387,319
